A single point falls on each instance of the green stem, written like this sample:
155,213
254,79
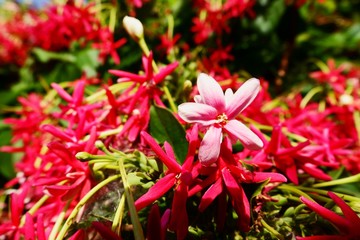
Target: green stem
356,115
146,51
116,225
324,192
272,230
81,203
138,232
34,208
59,220
110,132
295,190
309,95
170,99
112,18
351,179
101,94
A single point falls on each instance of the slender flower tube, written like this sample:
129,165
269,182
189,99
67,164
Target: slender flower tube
217,111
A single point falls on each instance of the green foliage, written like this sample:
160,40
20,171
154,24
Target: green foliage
165,127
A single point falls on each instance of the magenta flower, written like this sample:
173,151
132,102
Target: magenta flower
348,225
217,111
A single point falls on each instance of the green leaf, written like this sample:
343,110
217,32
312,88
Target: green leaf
45,56
87,61
7,169
165,127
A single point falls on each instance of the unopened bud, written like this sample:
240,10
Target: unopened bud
83,156
346,99
187,85
134,27
99,145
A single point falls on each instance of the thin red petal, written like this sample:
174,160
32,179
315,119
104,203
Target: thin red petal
170,163
211,193
339,221
156,191
348,212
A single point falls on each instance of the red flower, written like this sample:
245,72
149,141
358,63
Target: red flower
137,104
288,159
348,225
177,176
229,175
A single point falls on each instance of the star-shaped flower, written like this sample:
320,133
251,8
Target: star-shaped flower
217,111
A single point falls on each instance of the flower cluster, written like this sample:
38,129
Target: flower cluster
61,27
182,148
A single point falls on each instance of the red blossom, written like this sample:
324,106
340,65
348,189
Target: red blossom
177,176
348,224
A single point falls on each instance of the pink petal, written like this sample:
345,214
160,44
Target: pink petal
63,94
78,93
147,63
40,229
197,113
127,75
164,72
169,150
209,149
29,228
242,97
237,130
228,96
315,172
274,177
211,92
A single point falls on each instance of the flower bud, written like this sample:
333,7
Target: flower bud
83,156
346,99
134,27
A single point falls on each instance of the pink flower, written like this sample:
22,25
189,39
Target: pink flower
217,111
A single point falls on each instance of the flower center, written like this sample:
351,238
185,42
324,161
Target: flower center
222,119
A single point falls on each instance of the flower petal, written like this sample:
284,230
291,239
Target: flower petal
239,200
342,223
239,131
210,194
348,212
228,96
209,149
242,97
156,191
274,177
197,113
211,92
170,163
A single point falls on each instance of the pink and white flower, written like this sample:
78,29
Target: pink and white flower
217,112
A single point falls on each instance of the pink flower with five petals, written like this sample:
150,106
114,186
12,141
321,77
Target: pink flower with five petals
217,111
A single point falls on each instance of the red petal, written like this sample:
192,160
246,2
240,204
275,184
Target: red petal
340,222
210,194
156,191
239,199
172,165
